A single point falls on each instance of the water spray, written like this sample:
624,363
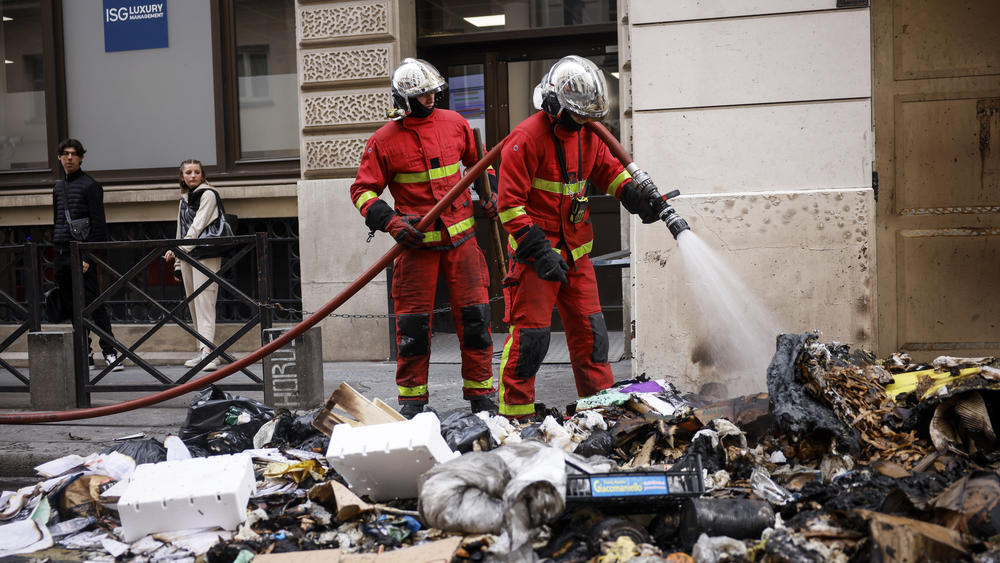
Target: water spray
674,222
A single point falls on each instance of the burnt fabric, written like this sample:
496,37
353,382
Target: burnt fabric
530,302
538,183
413,288
419,159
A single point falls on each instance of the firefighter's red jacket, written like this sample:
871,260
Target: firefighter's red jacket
533,190
418,159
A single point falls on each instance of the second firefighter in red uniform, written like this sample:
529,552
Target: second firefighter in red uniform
418,157
546,163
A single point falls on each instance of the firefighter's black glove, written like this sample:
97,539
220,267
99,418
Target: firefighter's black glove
647,208
551,267
535,249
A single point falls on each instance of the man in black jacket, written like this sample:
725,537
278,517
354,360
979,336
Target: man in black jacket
77,197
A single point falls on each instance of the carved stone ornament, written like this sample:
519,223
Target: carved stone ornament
364,63
333,154
345,109
344,21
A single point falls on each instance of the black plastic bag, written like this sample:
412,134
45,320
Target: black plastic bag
223,423
142,450
598,443
461,429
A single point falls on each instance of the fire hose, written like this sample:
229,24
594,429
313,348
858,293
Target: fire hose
668,215
675,223
276,344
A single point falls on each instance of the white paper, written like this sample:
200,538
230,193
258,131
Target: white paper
59,466
115,464
23,536
115,548
655,403
176,449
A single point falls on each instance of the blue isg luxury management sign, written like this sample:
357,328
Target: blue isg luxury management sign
130,25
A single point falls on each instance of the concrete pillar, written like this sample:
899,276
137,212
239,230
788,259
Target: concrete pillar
293,375
50,369
346,54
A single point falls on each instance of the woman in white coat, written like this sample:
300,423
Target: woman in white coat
198,208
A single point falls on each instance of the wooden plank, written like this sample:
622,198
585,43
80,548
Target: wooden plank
359,407
388,409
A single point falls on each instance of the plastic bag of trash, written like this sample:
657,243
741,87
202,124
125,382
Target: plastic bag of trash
535,495
464,494
223,423
511,491
461,429
143,450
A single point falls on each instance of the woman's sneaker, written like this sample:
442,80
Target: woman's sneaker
194,361
211,366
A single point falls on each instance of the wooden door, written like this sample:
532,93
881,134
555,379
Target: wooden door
937,147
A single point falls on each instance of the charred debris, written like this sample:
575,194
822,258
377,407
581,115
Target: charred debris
845,458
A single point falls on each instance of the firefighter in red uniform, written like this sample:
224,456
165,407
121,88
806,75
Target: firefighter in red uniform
417,155
546,164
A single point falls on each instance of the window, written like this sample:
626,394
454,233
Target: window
267,82
223,90
251,70
449,17
22,93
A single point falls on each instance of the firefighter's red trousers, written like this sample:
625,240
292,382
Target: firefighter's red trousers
414,280
529,312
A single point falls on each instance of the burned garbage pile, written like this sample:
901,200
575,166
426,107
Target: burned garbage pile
845,458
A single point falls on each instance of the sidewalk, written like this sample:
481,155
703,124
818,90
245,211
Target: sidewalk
22,447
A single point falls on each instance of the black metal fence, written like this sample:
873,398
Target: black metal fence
19,305
118,282
137,283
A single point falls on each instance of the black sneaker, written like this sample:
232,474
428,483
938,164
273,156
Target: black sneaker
112,358
90,362
483,404
410,410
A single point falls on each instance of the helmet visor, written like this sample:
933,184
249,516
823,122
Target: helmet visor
415,77
580,87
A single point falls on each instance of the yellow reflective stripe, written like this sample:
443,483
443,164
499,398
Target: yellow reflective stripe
461,226
558,187
617,182
364,197
470,384
582,250
432,236
432,174
516,410
512,241
508,214
412,391
512,410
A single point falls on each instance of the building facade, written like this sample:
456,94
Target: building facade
795,130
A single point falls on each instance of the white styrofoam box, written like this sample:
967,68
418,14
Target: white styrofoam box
384,461
200,492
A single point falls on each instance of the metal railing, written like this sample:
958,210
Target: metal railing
24,310
239,246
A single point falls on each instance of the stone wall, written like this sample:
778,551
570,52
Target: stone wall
760,113
347,52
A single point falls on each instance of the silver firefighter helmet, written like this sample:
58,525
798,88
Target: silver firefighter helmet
412,78
575,84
